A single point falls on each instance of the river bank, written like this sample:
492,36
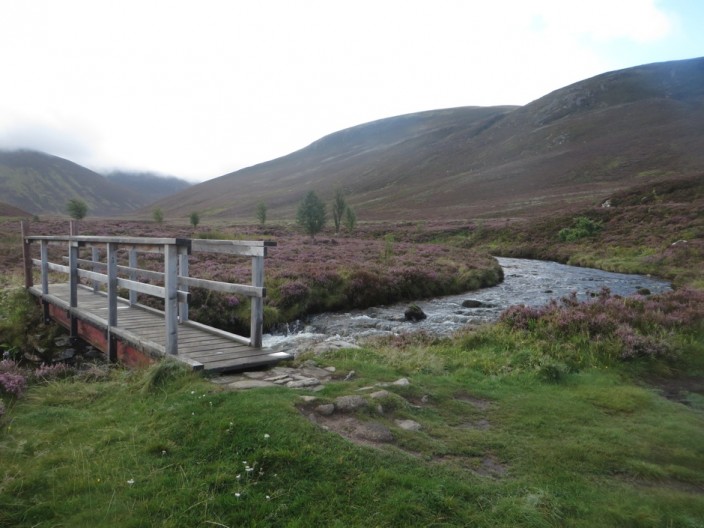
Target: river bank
526,282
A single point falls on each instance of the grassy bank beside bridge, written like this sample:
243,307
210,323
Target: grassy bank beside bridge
552,417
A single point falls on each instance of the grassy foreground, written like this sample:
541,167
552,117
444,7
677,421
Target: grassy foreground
524,423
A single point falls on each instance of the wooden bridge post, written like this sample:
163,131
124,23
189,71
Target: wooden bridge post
95,257
73,285
257,306
112,299
133,274
183,272
44,251
171,298
26,256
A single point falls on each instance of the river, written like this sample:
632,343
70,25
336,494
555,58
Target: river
529,282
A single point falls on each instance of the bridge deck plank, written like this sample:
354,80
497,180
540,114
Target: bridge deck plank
217,353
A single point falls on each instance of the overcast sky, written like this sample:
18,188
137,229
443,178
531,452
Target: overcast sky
197,89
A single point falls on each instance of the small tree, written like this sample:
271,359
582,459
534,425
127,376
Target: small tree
261,213
158,215
195,219
350,219
311,214
77,209
339,205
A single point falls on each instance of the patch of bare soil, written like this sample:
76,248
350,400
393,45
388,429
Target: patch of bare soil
374,434
477,425
480,404
342,420
677,389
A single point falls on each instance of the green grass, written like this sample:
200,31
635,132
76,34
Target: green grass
539,428
499,446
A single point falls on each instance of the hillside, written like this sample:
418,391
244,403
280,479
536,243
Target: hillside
573,146
148,185
10,211
43,184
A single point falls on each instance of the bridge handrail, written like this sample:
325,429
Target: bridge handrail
175,276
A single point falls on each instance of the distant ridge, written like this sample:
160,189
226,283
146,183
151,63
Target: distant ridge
43,184
148,185
573,146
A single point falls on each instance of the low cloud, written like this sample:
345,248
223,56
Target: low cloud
45,138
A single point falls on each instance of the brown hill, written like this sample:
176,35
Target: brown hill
43,184
10,211
572,146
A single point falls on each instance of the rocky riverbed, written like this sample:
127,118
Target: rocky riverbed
529,282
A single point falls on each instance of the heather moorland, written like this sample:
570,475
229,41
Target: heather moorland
572,414
575,413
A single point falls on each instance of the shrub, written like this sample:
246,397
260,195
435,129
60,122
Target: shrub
213,235
350,219
12,384
388,252
637,326
9,365
292,292
581,227
22,328
46,372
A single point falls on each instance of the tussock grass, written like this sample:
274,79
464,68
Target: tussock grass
499,446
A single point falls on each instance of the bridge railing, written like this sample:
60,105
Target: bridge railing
112,276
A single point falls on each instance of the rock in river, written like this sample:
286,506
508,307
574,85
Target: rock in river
414,313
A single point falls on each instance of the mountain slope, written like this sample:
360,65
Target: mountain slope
574,145
366,160
10,211
43,184
148,185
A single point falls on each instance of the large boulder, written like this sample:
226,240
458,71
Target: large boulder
414,313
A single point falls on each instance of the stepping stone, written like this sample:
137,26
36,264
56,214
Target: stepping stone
408,425
250,384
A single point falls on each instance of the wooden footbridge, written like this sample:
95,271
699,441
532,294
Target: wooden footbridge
98,268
